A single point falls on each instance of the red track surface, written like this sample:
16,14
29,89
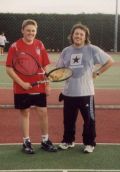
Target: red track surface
107,125
107,121
108,96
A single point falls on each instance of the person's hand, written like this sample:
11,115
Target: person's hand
95,74
26,85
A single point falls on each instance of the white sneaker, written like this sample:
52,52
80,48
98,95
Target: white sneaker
89,149
65,146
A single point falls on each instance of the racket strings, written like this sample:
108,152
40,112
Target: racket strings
60,74
25,64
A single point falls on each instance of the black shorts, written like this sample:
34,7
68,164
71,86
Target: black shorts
24,101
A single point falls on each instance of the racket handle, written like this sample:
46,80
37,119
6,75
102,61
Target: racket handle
39,82
34,84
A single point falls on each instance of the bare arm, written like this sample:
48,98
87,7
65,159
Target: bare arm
25,85
48,87
103,68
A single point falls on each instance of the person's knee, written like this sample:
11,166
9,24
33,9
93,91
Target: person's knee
24,112
42,111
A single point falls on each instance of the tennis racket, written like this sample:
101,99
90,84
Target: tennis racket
27,64
56,75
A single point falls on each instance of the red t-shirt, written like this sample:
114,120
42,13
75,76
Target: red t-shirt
37,50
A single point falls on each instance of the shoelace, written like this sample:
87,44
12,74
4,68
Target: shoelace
28,144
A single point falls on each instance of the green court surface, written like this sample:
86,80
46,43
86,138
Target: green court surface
104,157
110,79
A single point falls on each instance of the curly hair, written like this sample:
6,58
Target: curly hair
82,27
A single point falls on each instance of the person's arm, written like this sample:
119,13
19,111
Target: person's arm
103,68
25,85
46,62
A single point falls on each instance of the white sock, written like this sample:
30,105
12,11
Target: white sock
45,137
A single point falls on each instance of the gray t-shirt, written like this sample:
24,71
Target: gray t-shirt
82,61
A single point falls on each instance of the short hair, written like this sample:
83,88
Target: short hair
82,27
29,22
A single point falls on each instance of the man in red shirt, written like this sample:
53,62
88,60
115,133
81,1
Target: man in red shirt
25,95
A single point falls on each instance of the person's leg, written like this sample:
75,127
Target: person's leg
46,144
43,118
27,147
88,113
25,122
22,103
2,50
70,112
40,102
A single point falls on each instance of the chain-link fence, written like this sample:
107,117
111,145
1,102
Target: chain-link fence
53,29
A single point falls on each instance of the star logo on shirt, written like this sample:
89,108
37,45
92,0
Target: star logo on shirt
76,60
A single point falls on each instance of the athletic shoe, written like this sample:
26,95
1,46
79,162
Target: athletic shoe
65,146
27,148
89,149
48,146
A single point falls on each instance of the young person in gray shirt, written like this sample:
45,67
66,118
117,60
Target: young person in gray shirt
78,93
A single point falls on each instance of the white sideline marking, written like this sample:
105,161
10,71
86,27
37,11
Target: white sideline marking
104,144
61,170
113,107
28,170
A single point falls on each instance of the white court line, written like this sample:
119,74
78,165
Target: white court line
33,170
65,170
60,170
104,144
117,106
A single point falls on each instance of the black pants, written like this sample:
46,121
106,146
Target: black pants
87,108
